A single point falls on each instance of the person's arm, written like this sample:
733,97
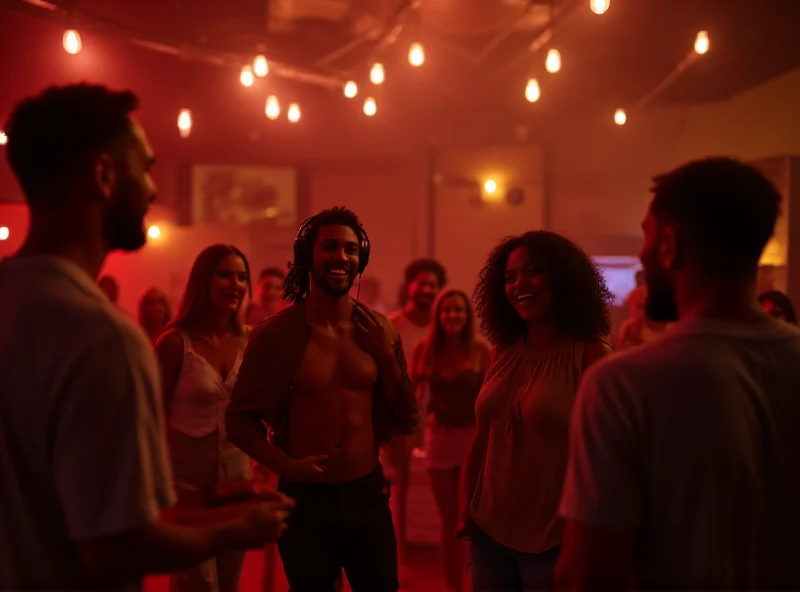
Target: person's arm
112,474
602,499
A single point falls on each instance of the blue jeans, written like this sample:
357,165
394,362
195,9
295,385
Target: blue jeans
496,568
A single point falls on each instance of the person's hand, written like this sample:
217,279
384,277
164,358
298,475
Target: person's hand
305,470
371,332
263,523
465,527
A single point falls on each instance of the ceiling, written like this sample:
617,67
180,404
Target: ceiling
478,55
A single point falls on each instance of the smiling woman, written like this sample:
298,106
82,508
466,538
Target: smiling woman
544,306
200,355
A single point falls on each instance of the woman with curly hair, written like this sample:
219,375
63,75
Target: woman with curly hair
543,305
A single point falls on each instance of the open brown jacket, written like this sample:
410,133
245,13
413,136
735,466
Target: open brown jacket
267,373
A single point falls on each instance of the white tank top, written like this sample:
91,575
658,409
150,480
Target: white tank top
201,395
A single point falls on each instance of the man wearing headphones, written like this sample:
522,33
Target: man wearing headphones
328,377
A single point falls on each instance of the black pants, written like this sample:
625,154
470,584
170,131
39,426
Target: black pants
340,526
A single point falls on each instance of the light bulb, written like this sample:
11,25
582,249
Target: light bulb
701,43
370,108
154,231
350,89
185,123
376,74
4,233
532,91
272,109
3,138
553,62
246,77
416,55
260,66
490,186
599,6
620,117
72,42
293,113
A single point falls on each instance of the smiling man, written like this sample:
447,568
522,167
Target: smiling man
328,377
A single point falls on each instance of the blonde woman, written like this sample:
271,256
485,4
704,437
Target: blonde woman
448,368
200,354
154,313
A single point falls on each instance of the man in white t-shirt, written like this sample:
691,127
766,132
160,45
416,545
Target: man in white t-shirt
684,469
84,474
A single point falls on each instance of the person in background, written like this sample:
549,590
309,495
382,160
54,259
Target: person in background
270,293
777,304
85,478
154,313
544,306
423,280
447,368
328,377
110,287
638,328
683,470
200,355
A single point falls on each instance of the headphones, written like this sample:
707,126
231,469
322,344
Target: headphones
302,254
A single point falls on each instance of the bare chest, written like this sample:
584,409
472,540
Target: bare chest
334,359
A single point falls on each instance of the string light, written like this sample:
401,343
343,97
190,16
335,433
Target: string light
272,108
4,233
153,232
702,43
246,77
599,6
293,113
72,42
260,66
370,108
376,74
3,138
185,123
553,61
490,186
416,55
532,90
620,117
350,89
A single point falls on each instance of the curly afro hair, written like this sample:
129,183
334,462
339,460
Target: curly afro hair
581,298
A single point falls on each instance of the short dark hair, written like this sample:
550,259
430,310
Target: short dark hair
724,209
271,272
581,298
50,134
297,283
425,264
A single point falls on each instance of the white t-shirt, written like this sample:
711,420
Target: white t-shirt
410,333
693,443
82,450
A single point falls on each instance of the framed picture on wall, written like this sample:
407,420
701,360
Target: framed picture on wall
243,194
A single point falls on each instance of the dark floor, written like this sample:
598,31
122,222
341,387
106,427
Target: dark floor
422,574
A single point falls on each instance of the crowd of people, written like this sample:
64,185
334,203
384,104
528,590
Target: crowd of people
555,463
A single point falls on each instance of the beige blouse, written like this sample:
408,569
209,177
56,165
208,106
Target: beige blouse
526,400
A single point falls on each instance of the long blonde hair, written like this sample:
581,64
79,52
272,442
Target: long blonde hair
146,322
433,345
196,300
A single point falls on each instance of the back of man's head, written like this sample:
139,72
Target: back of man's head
724,212
51,137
